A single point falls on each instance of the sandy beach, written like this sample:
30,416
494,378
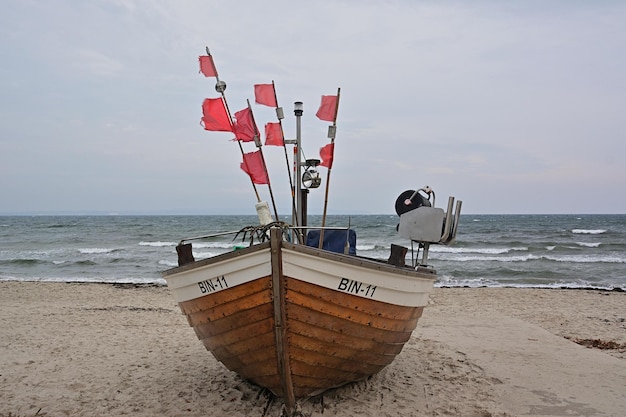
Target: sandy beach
113,350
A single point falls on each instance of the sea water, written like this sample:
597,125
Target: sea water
547,251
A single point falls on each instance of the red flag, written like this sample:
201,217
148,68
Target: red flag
215,117
207,67
253,166
326,154
327,109
264,94
273,135
245,129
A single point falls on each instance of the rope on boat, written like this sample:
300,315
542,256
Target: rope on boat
261,232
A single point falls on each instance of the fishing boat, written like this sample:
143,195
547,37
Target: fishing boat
296,310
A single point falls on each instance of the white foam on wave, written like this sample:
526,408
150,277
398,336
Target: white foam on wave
24,253
91,280
169,264
365,247
452,257
214,245
91,251
447,281
157,244
588,231
589,244
487,251
611,259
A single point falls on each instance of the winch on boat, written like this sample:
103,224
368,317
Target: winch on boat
423,223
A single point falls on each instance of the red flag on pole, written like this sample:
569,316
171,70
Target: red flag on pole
207,67
328,109
326,154
244,128
264,94
273,135
215,117
253,166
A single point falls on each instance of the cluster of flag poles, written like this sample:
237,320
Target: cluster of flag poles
217,117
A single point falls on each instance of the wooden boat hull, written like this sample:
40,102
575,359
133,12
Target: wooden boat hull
298,320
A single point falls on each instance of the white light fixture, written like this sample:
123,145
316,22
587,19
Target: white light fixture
311,178
297,108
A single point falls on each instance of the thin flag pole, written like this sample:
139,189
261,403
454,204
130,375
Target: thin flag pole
331,132
280,116
257,142
220,87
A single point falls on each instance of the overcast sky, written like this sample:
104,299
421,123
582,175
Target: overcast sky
512,107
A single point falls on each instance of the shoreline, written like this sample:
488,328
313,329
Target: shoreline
125,349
